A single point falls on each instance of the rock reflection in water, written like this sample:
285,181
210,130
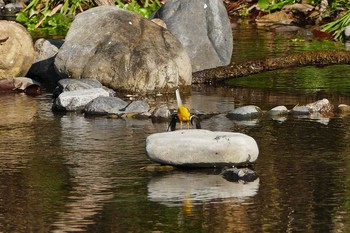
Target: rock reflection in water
16,130
89,173
178,188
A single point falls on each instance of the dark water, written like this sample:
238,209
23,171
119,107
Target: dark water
69,173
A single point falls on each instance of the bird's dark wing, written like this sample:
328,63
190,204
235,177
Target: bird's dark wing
172,124
195,121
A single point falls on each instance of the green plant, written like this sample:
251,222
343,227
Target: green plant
274,4
145,10
51,17
337,27
243,11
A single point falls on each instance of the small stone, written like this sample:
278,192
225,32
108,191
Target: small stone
161,114
278,111
301,110
76,100
239,175
343,109
322,106
103,104
245,113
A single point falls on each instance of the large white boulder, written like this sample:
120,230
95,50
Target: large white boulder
201,148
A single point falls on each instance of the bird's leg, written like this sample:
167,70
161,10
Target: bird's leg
180,124
188,124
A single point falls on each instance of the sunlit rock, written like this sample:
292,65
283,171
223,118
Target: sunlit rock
77,100
68,84
301,110
201,148
186,189
320,106
203,27
343,109
16,50
124,51
278,111
245,113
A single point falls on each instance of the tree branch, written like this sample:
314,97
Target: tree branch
314,58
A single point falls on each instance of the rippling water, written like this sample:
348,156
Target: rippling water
70,173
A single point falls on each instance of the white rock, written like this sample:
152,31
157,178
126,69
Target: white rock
201,148
76,100
279,110
320,106
245,112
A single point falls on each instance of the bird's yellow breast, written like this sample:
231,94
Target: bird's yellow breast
183,113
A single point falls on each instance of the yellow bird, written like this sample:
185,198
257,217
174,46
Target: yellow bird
182,115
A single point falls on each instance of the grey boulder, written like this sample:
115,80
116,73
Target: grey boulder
203,27
124,51
201,148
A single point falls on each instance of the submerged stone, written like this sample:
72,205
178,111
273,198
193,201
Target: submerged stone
239,175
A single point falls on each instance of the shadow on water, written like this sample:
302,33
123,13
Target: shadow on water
69,173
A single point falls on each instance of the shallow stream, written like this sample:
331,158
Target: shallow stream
69,173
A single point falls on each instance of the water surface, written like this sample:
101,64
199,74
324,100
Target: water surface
70,173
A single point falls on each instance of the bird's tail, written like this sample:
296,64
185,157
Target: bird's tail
178,98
